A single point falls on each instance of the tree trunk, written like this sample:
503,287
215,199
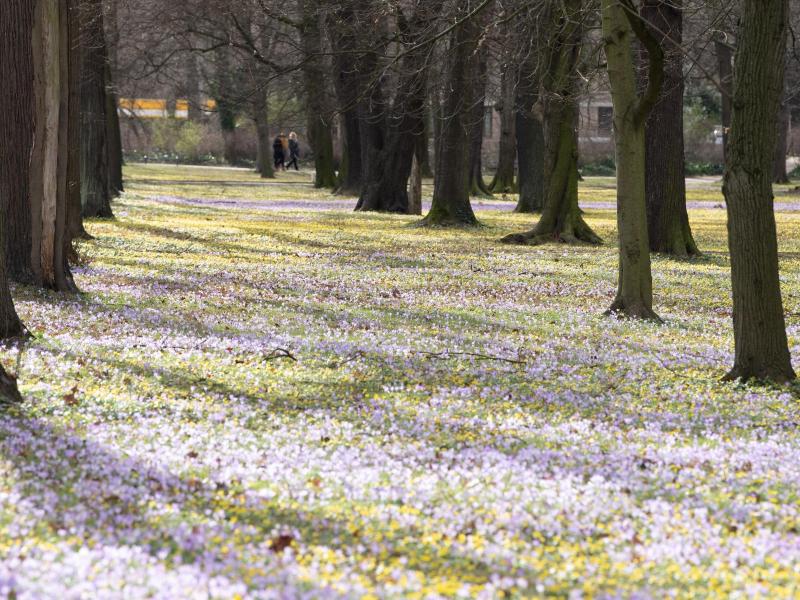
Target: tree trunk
74,209
415,188
347,83
780,174
758,323
94,130
17,122
561,219
665,180
318,114
530,140
16,131
390,165
115,184
724,52
620,22
451,204
477,186
503,181
264,164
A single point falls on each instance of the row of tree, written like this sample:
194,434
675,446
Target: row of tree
60,155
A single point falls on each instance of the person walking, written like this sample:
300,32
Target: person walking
278,156
294,151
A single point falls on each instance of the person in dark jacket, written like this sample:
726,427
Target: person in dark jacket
278,155
294,151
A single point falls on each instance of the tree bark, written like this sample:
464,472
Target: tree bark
318,114
74,209
530,140
264,164
503,181
451,205
95,187
665,180
780,174
758,322
561,219
415,188
390,162
16,131
620,22
347,83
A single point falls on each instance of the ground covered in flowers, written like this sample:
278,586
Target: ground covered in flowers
260,393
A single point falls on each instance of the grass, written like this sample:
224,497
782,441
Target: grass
260,393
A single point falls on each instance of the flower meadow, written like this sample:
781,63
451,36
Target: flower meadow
262,394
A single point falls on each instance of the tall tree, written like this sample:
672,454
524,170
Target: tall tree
620,22
16,131
503,181
95,128
318,113
780,173
390,165
451,204
561,219
529,129
758,322
477,116
665,184
342,26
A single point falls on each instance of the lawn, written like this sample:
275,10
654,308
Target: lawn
260,393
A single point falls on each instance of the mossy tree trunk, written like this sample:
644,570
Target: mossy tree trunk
665,180
451,205
758,322
620,22
561,218
503,182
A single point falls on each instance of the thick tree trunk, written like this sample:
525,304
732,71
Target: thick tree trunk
503,181
318,114
665,181
390,163
17,122
347,83
780,174
451,204
758,323
16,131
530,140
619,23
561,219
94,104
